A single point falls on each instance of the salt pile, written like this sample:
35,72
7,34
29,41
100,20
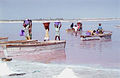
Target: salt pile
66,73
4,69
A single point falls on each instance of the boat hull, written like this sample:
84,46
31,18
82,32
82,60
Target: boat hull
36,46
96,37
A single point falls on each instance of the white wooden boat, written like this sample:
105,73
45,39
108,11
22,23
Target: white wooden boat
3,39
96,37
36,46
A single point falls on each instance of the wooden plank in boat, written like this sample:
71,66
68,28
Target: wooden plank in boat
99,35
45,43
18,41
1,38
89,39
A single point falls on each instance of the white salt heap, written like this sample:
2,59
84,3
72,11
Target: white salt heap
4,69
66,73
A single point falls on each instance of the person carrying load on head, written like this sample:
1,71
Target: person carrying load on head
28,29
79,25
57,30
46,26
100,30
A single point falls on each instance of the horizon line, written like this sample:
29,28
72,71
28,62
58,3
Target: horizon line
59,20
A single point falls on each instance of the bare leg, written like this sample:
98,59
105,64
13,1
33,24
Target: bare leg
27,37
75,33
59,37
30,36
55,37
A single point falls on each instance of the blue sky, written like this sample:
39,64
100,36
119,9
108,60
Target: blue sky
34,9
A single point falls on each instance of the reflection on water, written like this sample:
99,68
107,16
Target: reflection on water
96,45
40,56
99,52
45,57
1,54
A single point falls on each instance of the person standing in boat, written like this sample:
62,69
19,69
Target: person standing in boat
100,29
79,25
57,30
76,29
28,29
46,26
71,26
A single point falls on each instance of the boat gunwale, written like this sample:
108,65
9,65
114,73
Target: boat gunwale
46,43
1,38
18,41
98,35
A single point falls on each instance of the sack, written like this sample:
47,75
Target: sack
26,22
22,33
88,33
57,23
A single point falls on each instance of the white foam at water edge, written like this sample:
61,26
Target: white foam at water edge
4,69
66,73
81,67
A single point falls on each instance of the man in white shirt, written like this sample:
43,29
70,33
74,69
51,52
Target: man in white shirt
75,28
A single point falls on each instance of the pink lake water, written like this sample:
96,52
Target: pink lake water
104,53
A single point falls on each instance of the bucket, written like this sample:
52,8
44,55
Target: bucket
46,25
79,23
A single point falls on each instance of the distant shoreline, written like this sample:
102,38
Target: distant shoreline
60,20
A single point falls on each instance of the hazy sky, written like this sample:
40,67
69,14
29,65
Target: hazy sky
21,9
